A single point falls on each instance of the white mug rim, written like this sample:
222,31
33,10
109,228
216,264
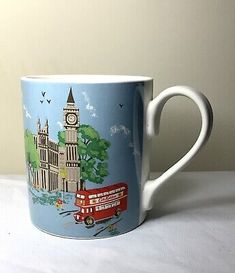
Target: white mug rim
86,78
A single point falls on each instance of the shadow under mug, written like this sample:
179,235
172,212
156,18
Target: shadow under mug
87,150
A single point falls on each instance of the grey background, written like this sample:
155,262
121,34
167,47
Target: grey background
176,42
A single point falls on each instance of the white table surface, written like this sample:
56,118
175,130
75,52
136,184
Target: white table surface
190,229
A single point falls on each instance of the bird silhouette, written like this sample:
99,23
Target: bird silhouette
49,101
121,105
41,101
43,93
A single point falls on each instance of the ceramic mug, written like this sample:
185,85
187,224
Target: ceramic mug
87,150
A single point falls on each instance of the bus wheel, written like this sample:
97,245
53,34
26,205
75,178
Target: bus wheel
118,212
89,220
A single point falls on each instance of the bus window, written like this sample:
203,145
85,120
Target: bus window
107,206
92,196
101,207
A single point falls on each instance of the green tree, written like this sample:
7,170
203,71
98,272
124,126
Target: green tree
31,153
61,138
92,152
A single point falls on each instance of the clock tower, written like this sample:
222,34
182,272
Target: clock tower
72,162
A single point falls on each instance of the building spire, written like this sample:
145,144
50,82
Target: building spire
46,128
39,124
70,96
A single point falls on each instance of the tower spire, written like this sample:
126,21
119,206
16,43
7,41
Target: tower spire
46,127
70,96
39,124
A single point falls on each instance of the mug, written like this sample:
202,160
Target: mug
87,150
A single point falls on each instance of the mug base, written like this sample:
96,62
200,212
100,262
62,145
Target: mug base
86,238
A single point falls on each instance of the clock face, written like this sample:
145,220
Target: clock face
71,119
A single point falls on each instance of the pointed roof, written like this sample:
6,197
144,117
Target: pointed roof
39,124
70,96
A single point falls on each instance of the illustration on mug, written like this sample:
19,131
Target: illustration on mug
59,171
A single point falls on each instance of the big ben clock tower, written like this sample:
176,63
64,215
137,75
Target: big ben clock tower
72,162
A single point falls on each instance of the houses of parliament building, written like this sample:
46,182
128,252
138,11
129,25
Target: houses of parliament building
59,167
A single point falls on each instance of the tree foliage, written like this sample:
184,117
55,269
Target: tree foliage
61,138
92,153
31,153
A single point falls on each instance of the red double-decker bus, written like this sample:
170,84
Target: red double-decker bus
100,204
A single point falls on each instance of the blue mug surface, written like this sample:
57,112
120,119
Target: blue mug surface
87,154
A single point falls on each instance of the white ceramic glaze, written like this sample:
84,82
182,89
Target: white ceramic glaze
153,117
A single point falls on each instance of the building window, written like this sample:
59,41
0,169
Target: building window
70,153
43,141
42,173
42,177
52,181
45,180
56,182
52,157
43,155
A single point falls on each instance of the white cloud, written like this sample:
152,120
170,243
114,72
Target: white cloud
60,124
89,107
27,114
119,129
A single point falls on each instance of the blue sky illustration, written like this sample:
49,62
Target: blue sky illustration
99,106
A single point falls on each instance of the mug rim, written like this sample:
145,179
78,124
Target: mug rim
86,78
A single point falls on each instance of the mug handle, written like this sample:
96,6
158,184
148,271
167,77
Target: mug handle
153,116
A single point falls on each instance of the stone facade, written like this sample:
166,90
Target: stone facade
59,166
